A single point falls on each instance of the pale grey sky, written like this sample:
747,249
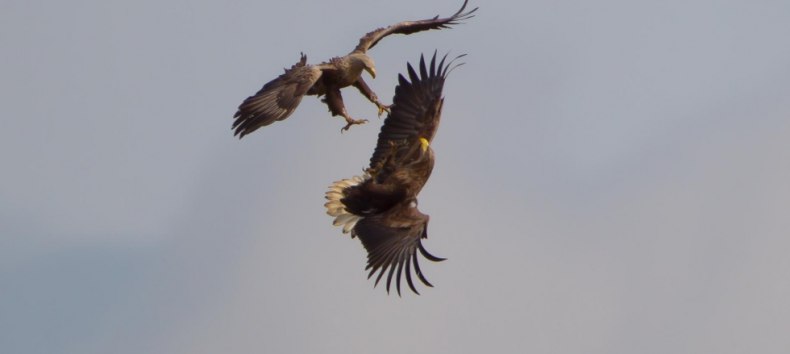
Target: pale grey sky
612,177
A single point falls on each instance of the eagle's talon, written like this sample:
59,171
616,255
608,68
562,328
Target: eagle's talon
350,122
384,108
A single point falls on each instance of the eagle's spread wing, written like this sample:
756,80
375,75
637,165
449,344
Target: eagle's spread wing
409,27
416,110
380,207
277,99
392,240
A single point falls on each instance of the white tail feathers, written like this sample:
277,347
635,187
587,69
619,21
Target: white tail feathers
335,207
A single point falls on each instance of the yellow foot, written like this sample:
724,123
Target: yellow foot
383,108
350,122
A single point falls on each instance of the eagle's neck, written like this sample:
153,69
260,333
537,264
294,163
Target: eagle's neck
353,65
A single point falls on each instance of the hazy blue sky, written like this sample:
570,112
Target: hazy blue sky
612,177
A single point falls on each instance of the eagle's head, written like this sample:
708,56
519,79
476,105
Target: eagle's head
362,61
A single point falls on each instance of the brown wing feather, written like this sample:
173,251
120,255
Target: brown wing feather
415,110
409,27
277,99
392,240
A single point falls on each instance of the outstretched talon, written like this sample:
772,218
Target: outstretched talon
350,122
383,108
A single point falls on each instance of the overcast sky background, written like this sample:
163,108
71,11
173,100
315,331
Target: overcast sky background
612,177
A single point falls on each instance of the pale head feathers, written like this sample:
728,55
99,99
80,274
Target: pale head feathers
362,61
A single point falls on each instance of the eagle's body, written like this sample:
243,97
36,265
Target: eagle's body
340,72
380,207
279,98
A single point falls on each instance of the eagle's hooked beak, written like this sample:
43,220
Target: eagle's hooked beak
371,71
424,144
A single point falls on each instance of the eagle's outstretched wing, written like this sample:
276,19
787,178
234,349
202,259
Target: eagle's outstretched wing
392,240
416,109
277,99
409,27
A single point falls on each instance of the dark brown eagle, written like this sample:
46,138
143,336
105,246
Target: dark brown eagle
280,97
380,207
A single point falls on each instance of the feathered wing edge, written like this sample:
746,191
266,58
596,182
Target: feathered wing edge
413,98
408,27
391,249
277,99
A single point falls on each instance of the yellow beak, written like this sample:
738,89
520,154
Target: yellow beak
424,144
371,71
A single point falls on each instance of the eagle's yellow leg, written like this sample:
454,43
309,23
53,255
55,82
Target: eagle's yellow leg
383,108
351,121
